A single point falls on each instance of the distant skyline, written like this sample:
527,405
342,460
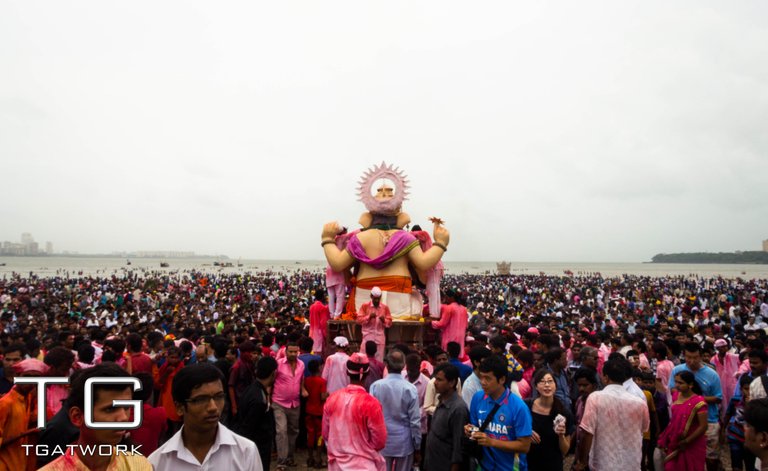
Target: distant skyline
559,131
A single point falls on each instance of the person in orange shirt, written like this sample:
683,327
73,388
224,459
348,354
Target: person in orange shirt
14,417
164,380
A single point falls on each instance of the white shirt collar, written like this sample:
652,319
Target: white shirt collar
176,444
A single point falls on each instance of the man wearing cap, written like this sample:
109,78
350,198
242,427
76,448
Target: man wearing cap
374,317
726,365
353,423
335,369
14,416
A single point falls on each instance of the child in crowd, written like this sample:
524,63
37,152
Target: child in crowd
741,457
643,379
317,388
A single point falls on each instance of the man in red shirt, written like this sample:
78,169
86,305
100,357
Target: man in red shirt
316,387
318,320
138,361
153,419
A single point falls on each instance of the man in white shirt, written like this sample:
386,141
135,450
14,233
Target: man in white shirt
335,370
613,425
202,442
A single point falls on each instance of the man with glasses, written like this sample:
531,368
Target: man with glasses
202,442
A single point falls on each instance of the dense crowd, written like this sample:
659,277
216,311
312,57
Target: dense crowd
628,372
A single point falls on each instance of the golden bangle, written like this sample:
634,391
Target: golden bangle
438,244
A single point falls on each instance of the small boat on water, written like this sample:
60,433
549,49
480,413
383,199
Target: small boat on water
127,262
164,265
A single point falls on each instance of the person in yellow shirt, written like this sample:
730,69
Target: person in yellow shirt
99,449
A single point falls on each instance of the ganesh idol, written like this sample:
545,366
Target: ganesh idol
384,254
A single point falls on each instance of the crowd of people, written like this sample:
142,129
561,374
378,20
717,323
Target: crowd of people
532,372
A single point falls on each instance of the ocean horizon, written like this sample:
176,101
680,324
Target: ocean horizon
47,266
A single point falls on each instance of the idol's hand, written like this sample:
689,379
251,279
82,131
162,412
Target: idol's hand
331,230
441,234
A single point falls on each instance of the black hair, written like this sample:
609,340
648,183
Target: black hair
306,344
413,360
134,342
495,364
552,355
192,377
616,371
86,353
674,346
585,373
76,396
745,380
756,414
692,347
58,356
220,347
499,342
370,348
153,337
265,367
186,347
454,349
450,371
525,356
313,366
16,347
761,354
99,335
478,354
147,386
648,376
661,350
632,353
690,379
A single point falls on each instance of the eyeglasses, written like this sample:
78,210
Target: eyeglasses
547,381
200,401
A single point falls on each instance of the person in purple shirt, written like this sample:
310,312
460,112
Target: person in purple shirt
402,415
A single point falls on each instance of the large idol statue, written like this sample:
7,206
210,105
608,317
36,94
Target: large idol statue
386,255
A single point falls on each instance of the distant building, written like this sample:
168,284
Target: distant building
49,248
765,245
27,247
163,254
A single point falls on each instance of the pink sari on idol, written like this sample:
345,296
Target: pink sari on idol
683,424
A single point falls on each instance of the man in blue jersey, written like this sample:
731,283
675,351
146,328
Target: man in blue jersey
507,435
709,381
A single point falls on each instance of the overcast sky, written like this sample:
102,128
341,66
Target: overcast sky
539,131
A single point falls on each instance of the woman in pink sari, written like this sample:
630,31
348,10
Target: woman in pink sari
684,443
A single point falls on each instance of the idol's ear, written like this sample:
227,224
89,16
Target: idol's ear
403,219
